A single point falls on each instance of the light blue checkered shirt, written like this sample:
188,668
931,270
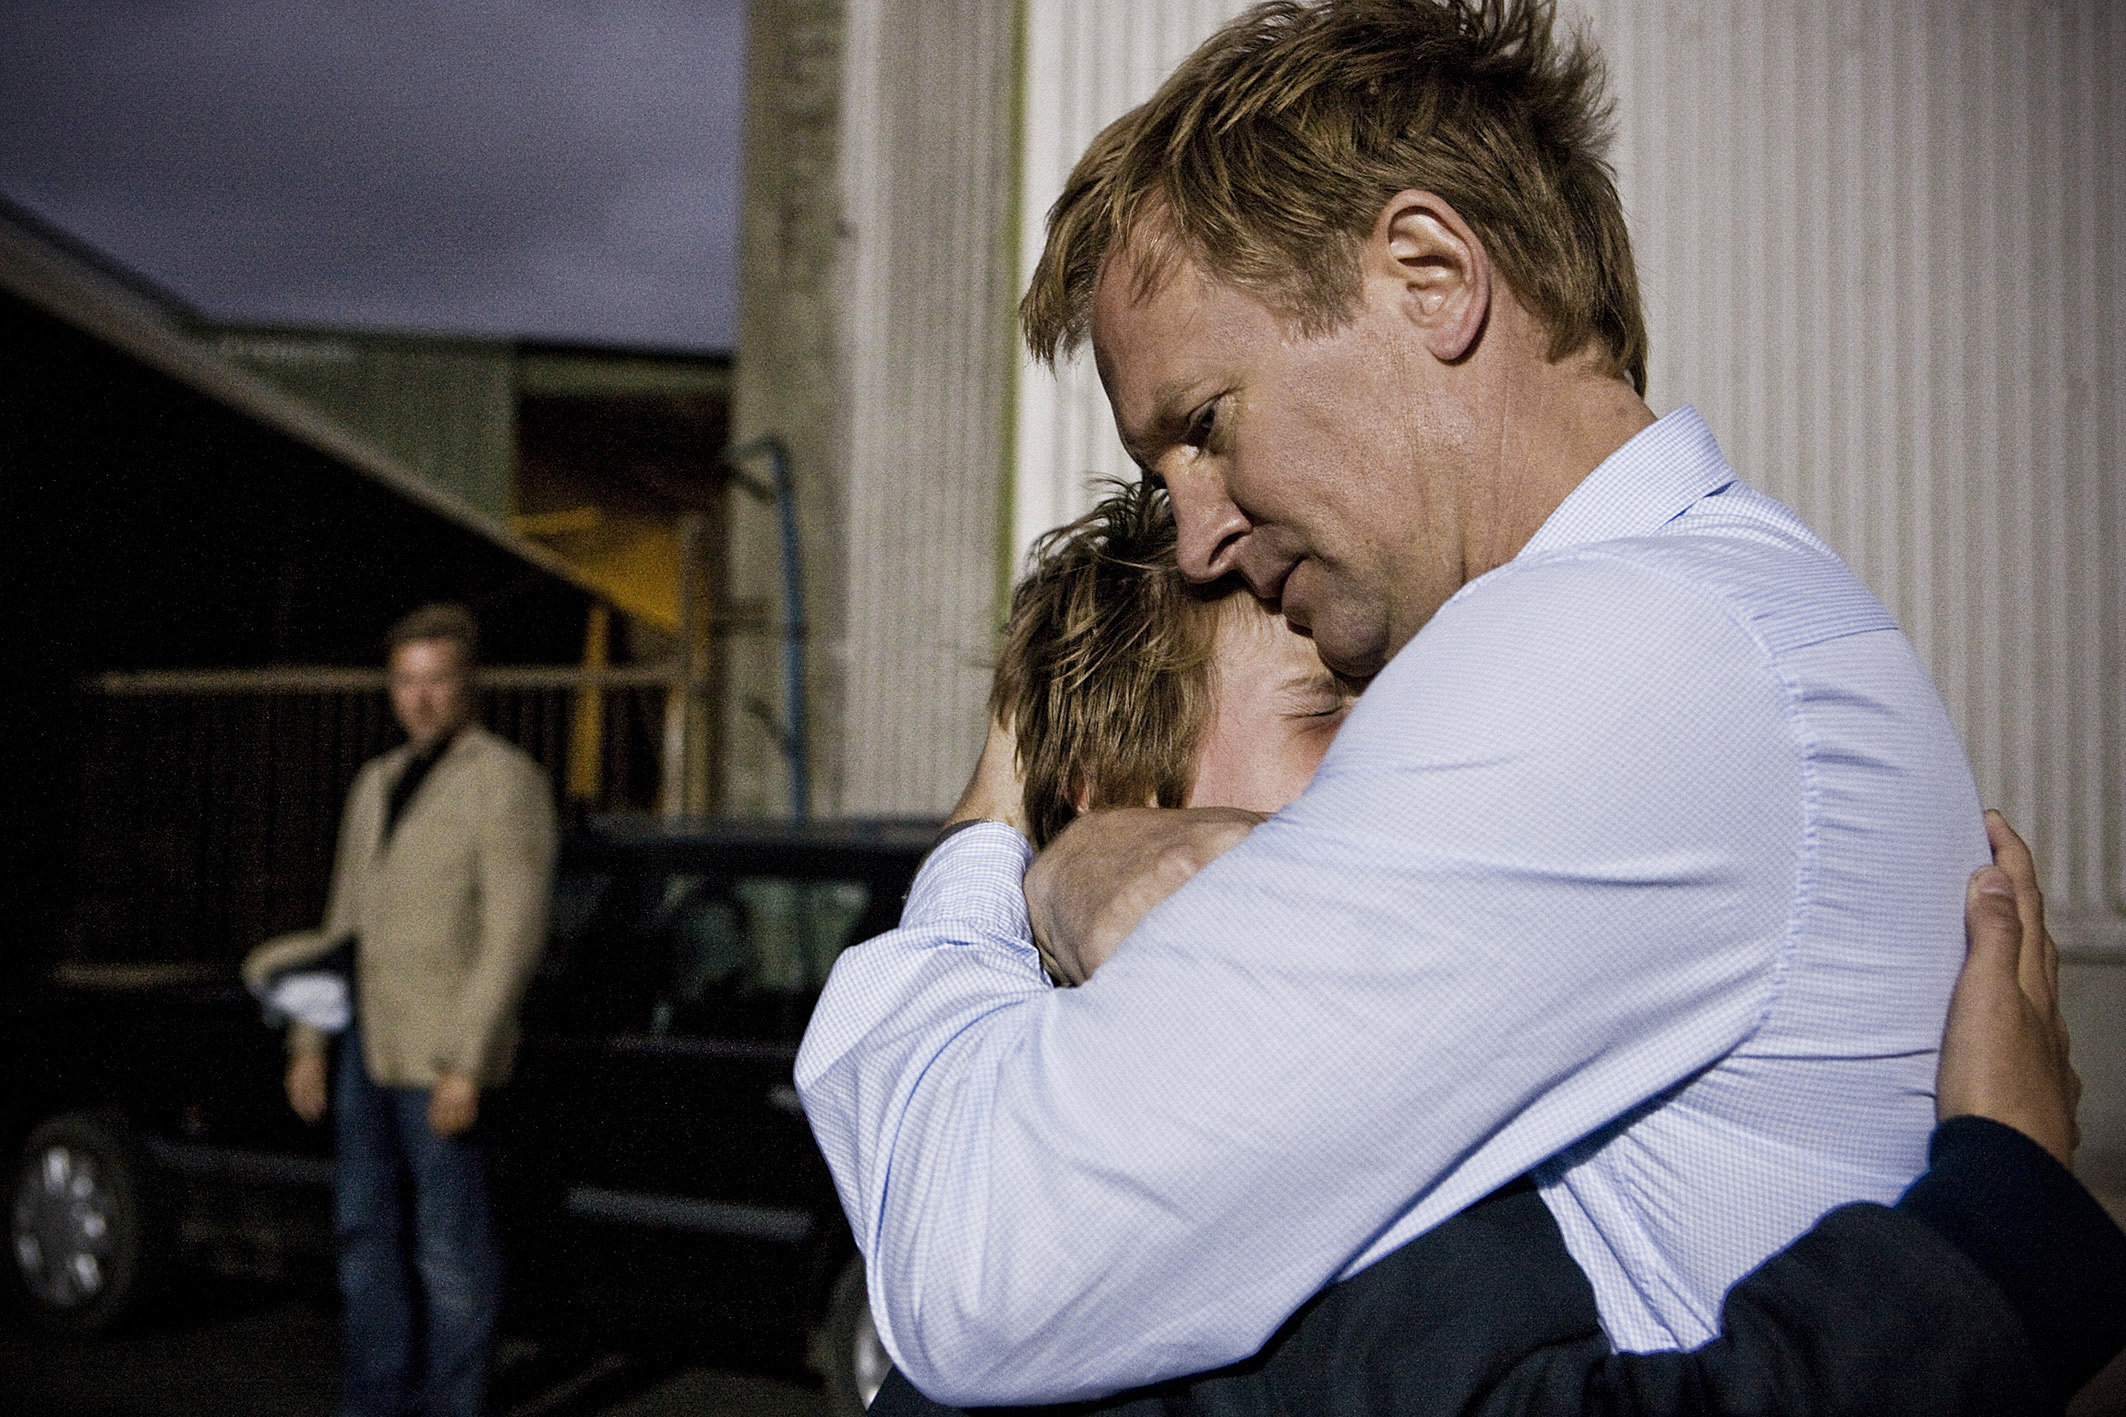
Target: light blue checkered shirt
1642,866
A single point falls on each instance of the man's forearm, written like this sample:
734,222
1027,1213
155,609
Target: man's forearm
1874,1312
488,1003
940,1057
916,1011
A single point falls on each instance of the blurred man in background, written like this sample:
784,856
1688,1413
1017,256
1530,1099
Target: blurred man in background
439,900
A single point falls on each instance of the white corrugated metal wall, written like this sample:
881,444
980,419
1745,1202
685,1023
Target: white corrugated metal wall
929,189
1881,245
1087,63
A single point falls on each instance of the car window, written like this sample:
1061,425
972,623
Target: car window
579,896
742,955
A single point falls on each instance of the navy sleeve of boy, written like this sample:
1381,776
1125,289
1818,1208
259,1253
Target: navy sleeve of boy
2037,1233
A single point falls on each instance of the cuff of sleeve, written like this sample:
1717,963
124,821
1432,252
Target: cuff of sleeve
974,877
2037,1232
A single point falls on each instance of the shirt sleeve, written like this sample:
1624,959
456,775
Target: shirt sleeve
1545,874
1995,1288
963,952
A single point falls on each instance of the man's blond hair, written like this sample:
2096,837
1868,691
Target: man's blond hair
1105,674
1267,157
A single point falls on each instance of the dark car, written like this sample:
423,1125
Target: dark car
654,1172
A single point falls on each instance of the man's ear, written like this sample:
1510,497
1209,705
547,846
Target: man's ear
1425,257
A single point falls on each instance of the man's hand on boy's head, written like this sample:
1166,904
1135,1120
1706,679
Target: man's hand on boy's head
997,791
1105,871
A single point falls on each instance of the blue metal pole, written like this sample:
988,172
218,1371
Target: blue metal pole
782,489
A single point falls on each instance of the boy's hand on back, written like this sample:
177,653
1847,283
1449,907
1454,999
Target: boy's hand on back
1105,871
2004,1055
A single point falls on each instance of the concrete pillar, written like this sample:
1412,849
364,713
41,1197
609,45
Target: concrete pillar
791,381
875,339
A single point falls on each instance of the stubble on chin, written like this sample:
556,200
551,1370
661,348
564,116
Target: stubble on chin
1350,641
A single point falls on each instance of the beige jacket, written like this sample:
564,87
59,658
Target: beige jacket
451,912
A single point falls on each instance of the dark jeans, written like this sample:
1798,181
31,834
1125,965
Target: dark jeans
393,1180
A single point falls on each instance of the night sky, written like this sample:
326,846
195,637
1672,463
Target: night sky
552,169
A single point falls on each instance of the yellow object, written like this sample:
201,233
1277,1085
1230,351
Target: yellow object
631,561
586,750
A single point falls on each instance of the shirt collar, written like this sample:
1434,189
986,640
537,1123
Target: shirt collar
1661,473
442,746
408,754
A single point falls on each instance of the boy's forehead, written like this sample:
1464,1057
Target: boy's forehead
1248,627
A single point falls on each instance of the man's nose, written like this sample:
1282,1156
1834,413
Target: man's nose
1210,526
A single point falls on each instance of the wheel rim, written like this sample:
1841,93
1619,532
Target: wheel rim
62,1227
868,1362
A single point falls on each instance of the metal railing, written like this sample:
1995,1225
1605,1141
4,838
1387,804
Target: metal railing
210,799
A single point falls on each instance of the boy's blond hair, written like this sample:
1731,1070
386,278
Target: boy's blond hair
1105,674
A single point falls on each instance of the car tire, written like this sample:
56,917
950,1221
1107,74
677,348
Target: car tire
78,1228
856,1362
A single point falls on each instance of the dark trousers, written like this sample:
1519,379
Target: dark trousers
420,1278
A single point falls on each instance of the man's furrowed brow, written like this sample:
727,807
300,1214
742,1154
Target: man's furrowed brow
1172,403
